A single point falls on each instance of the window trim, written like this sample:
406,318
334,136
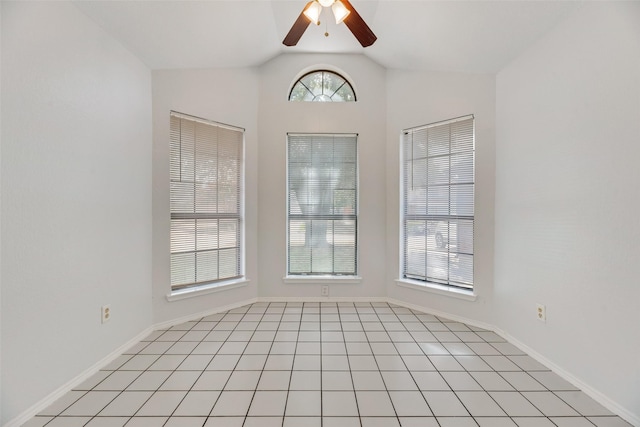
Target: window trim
321,70
323,278
438,289
404,280
209,286
206,288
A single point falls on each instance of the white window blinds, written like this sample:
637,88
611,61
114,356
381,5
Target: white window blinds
438,203
322,204
206,201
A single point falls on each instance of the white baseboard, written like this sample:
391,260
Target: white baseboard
169,323
69,385
609,404
612,406
439,313
586,388
322,299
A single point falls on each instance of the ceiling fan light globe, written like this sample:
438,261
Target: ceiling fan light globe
340,12
312,12
326,3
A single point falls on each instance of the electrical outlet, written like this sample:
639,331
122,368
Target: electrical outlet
324,291
106,313
541,312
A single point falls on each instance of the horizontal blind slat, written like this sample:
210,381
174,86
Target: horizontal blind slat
438,202
205,201
322,204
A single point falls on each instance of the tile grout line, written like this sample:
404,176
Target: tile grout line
377,311
158,390
405,364
376,361
355,396
293,363
201,373
177,367
266,360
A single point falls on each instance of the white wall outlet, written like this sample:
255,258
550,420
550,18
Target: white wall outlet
541,312
106,313
324,291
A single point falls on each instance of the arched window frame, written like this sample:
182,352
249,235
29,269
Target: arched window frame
322,96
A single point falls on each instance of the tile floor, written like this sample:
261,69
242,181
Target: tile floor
325,365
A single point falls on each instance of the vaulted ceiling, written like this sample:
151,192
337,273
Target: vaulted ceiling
466,36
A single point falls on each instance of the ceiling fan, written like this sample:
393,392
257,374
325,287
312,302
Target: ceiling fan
343,11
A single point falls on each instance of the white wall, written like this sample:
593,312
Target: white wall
224,95
416,98
76,175
0,217
76,199
366,117
567,199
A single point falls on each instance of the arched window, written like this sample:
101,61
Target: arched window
322,86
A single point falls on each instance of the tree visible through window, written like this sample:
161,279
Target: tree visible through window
322,204
322,86
438,203
206,200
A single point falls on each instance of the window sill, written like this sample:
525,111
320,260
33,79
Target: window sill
435,288
206,289
321,279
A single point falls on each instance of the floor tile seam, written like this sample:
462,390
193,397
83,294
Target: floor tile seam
167,379
93,389
84,392
91,417
531,403
569,416
412,378
468,372
174,370
383,382
353,385
293,362
528,373
261,373
563,401
148,343
439,371
464,370
204,369
321,381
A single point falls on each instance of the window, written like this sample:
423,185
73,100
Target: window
206,201
322,198
322,86
438,206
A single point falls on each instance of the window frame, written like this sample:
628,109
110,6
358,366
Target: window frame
323,71
185,290
295,277
448,287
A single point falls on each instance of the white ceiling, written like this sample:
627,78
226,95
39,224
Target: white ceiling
446,35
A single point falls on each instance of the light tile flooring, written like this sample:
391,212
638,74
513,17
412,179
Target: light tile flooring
325,365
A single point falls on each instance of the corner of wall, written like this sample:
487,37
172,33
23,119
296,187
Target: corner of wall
1,214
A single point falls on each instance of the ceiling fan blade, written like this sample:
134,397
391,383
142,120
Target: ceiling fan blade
297,29
358,27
